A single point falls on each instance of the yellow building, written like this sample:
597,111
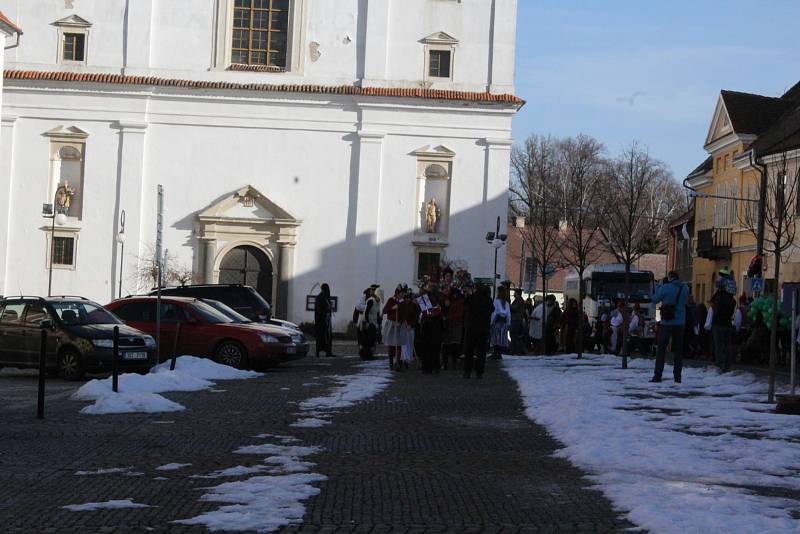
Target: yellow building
724,237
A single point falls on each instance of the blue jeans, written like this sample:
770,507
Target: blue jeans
675,332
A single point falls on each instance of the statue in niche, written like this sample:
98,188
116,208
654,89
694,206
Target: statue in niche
432,215
64,195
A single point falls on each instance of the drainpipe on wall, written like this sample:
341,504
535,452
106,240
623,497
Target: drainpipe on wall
762,199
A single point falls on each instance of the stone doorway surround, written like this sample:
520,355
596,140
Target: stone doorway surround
248,218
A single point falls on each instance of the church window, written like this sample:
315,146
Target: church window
260,30
63,251
73,40
74,47
439,64
427,262
440,52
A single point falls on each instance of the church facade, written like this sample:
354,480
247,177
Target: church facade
295,142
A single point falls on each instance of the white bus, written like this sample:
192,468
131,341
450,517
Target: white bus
605,284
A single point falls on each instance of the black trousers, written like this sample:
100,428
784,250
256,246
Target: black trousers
475,345
431,340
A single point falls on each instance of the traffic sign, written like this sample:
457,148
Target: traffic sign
757,285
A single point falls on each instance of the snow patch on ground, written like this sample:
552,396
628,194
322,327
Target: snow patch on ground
127,471
700,456
140,393
373,378
239,470
310,422
266,503
132,403
108,505
262,503
171,467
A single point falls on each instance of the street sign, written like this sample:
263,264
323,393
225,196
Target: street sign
484,281
757,285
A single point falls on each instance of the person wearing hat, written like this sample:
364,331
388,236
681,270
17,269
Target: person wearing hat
673,297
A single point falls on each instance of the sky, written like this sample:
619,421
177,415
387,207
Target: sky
648,71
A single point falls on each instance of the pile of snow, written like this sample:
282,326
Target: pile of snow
140,393
690,457
358,387
108,505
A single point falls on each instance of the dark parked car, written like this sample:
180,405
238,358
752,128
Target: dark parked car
243,299
207,332
79,337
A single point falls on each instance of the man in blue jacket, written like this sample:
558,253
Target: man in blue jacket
673,296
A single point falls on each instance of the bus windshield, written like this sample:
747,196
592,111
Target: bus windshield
611,286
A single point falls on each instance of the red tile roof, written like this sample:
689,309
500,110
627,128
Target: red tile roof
121,79
5,20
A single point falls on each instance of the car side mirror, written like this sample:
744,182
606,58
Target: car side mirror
191,321
47,324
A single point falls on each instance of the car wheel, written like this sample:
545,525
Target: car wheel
70,365
232,354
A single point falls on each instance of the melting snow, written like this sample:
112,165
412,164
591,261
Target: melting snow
171,467
108,505
140,393
688,457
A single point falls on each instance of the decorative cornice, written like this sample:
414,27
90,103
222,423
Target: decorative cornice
728,140
153,81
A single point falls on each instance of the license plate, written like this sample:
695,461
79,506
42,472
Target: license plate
291,350
134,355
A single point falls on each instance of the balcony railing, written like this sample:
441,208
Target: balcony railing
714,243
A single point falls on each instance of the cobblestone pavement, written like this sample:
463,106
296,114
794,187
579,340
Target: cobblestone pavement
432,453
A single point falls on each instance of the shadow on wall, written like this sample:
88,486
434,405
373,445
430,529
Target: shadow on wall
343,266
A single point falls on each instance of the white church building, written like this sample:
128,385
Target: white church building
297,142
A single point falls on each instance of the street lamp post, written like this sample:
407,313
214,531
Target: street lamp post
497,240
60,218
121,241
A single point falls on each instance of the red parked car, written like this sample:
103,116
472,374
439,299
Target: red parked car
206,332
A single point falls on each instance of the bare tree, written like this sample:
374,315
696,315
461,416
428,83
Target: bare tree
146,270
583,185
780,218
638,222
535,190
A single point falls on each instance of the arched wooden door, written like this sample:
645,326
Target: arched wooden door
248,266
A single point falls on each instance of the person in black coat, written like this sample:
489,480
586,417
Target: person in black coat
323,330
478,319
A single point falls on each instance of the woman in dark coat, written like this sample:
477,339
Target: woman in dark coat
323,330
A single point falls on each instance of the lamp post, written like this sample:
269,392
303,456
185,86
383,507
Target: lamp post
497,240
121,241
60,218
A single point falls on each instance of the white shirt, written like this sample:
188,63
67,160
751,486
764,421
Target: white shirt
709,319
737,319
617,319
633,327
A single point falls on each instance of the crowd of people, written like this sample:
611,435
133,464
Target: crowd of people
450,318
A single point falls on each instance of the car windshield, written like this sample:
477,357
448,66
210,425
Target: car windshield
226,310
209,314
82,312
